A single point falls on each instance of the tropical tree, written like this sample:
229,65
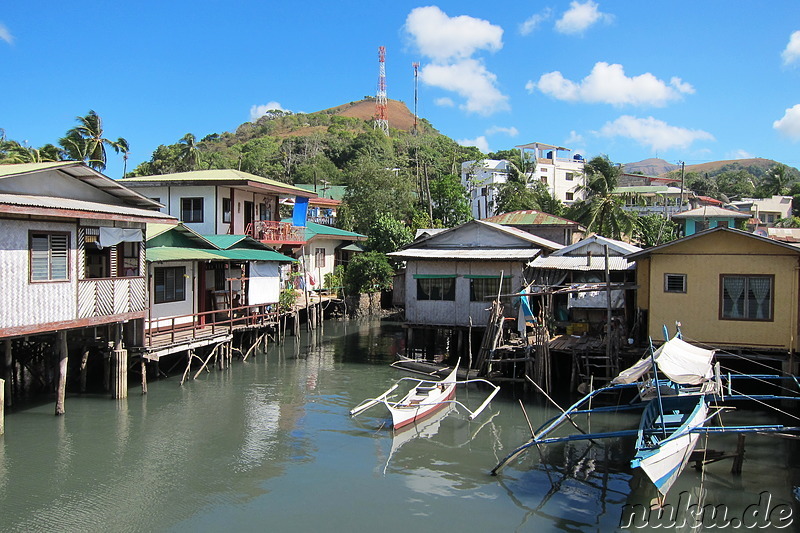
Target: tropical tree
601,211
776,182
450,201
387,234
86,142
368,272
654,229
189,152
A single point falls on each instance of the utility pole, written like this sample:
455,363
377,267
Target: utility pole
683,166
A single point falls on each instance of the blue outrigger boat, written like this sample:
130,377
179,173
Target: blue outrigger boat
675,410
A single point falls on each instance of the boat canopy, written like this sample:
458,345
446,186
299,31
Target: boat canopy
680,361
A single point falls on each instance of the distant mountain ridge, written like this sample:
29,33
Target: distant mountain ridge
659,167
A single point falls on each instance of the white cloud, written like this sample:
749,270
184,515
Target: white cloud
533,22
656,134
511,132
574,138
451,42
740,154
441,37
5,35
789,124
258,111
580,16
608,84
444,102
469,79
792,51
480,142
530,86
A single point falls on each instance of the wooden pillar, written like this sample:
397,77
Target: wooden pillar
2,406
9,372
144,376
119,361
84,362
61,341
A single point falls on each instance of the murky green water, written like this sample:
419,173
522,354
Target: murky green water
268,445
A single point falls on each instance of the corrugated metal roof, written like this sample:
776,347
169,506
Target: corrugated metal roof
223,242
530,218
710,211
313,230
25,168
53,202
218,175
459,254
554,262
170,253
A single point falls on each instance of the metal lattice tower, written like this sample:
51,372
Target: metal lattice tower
381,120
416,77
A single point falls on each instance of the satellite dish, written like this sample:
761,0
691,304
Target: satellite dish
761,232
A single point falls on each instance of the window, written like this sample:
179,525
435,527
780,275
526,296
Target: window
674,282
319,257
543,179
484,289
746,297
436,289
700,225
128,259
570,196
226,210
169,284
191,209
570,176
49,253
722,223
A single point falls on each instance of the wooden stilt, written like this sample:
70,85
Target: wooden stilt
84,361
62,371
144,375
9,373
119,360
189,357
2,406
210,355
738,460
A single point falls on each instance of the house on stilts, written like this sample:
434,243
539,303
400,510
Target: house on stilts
72,261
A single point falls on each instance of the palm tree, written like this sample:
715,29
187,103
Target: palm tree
776,182
85,142
189,152
601,210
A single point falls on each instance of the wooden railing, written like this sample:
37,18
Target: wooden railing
274,231
170,330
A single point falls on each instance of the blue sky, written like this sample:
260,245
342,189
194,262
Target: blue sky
682,80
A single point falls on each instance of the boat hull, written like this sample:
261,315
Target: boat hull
403,415
664,462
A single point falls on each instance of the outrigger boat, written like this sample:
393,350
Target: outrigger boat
425,398
675,410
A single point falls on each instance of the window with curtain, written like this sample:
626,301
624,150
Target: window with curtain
747,297
485,289
442,289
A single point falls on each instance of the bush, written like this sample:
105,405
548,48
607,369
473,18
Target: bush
368,272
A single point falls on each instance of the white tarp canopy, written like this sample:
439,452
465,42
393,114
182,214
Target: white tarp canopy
114,236
678,360
265,282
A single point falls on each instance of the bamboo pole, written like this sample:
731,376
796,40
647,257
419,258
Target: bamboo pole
9,372
84,362
2,406
144,375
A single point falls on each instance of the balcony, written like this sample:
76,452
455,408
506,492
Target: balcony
276,233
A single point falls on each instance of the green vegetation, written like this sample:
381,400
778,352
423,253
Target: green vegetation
366,273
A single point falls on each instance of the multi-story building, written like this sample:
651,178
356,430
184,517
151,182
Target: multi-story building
560,175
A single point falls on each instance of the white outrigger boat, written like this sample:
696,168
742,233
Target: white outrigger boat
675,409
425,398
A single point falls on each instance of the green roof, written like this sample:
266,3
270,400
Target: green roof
335,192
22,168
171,253
313,229
218,175
244,254
223,242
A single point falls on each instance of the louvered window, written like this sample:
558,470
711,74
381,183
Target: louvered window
674,282
169,284
49,257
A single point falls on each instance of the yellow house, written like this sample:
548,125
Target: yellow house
728,289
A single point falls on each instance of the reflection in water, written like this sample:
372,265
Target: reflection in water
268,445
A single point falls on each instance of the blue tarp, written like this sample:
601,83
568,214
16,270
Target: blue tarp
300,212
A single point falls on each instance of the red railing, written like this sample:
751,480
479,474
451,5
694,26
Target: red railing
169,330
273,231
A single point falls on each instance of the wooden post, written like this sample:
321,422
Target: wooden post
144,376
736,468
9,372
2,406
62,371
119,360
84,361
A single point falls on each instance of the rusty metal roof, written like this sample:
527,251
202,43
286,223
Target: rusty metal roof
465,254
555,262
530,218
69,205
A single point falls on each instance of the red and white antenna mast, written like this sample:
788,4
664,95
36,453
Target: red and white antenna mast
381,120
416,77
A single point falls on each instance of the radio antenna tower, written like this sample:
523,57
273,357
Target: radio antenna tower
416,77
381,121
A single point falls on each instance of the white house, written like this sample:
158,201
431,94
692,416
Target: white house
480,178
767,210
561,175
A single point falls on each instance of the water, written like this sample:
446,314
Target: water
268,445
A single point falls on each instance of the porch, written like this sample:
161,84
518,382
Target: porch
273,232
